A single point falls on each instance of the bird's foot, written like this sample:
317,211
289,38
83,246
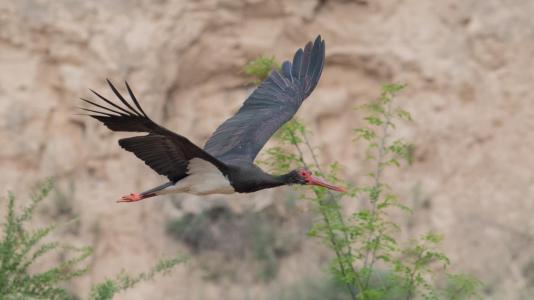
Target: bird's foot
131,198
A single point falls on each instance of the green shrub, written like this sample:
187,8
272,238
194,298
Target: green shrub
20,248
368,237
107,289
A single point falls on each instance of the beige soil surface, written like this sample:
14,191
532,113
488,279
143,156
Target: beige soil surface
469,66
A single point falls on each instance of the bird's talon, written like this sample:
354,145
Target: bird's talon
131,198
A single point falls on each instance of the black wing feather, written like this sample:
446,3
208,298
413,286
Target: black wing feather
134,98
159,153
109,102
164,151
100,106
121,98
272,104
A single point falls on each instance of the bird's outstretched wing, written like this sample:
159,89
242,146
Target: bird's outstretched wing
272,104
164,151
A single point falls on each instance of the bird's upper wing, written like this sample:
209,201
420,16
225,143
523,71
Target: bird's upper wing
164,151
272,104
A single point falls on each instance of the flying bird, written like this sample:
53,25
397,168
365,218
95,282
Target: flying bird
226,163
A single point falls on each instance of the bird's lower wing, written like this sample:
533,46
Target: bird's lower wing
159,153
164,151
272,104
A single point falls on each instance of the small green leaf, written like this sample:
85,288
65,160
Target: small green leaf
374,120
393,88
365,133
403,114
393,162
261,67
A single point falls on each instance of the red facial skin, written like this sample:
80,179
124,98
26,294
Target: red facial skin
311,180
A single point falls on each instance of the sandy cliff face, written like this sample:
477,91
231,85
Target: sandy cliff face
468,66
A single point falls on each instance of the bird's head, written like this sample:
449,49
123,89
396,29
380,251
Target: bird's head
304,176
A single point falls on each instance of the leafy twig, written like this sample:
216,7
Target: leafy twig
330,232
371,253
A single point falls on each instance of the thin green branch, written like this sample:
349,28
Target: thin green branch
364,239
330,232
371,253
331,199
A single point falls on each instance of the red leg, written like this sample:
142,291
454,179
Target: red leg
131,198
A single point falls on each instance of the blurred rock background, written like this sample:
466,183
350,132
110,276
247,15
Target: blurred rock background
468,65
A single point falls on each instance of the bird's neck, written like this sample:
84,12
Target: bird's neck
271,181
251,178
278,180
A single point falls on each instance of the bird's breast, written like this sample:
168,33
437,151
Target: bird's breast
203,179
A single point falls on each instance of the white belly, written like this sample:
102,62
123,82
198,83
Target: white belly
204,178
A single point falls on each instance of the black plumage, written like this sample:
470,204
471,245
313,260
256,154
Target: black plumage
271,105
164,151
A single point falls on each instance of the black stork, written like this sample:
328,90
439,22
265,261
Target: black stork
225,165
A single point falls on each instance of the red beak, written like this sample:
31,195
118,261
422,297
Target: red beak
316,181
